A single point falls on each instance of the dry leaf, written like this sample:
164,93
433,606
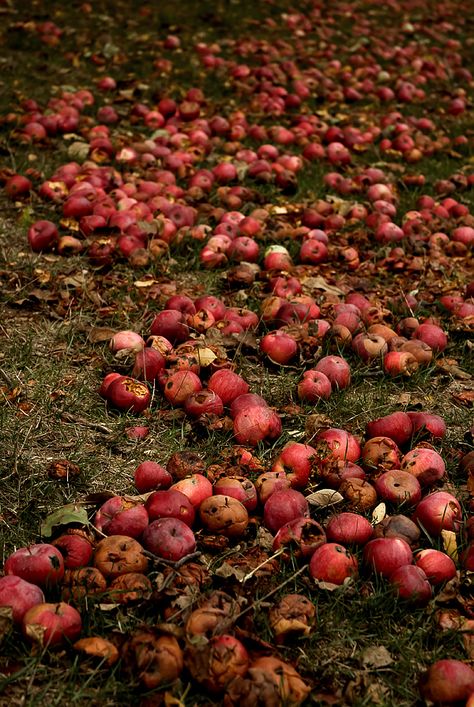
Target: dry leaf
319,283
98,334
379,513
450,365
324,498
466,397
376,657
450,544
226,570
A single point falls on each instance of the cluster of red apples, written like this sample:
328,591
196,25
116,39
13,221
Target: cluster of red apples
186,507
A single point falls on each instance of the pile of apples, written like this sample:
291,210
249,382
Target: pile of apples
185,508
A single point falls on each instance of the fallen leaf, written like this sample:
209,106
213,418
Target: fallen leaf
319,283
466,397
324,498
379,513
376,657
450,365
98,334
71,513
450,544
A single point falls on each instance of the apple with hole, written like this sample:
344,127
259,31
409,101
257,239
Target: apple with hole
151,476
411,584
380,454
398,487
238,487
128,394
76,550
169,538
170,504
117,516
437,565
384,555
52,624
425,464
19,595
40,564
203,402
301,536
341,445
224,515
282,507
333,563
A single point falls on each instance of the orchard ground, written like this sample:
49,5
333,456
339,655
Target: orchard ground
58,312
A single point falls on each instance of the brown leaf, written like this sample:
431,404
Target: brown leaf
466,397
376,657
98,334
450,366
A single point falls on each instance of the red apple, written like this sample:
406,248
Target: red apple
411,584
52,624
438,511
384,555
426,424
40,564
151,476
397,426
349,529
447,681
279,346
170,504
336,369
196,487
314,386
282,507
437,565
19,595
227,385
169,538
256,424
425,464
238,487
296,460
117,516
42,235
332,563
76,550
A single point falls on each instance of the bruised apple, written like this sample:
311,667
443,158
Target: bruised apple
19,595
52,624
40,564
119,554
117,516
